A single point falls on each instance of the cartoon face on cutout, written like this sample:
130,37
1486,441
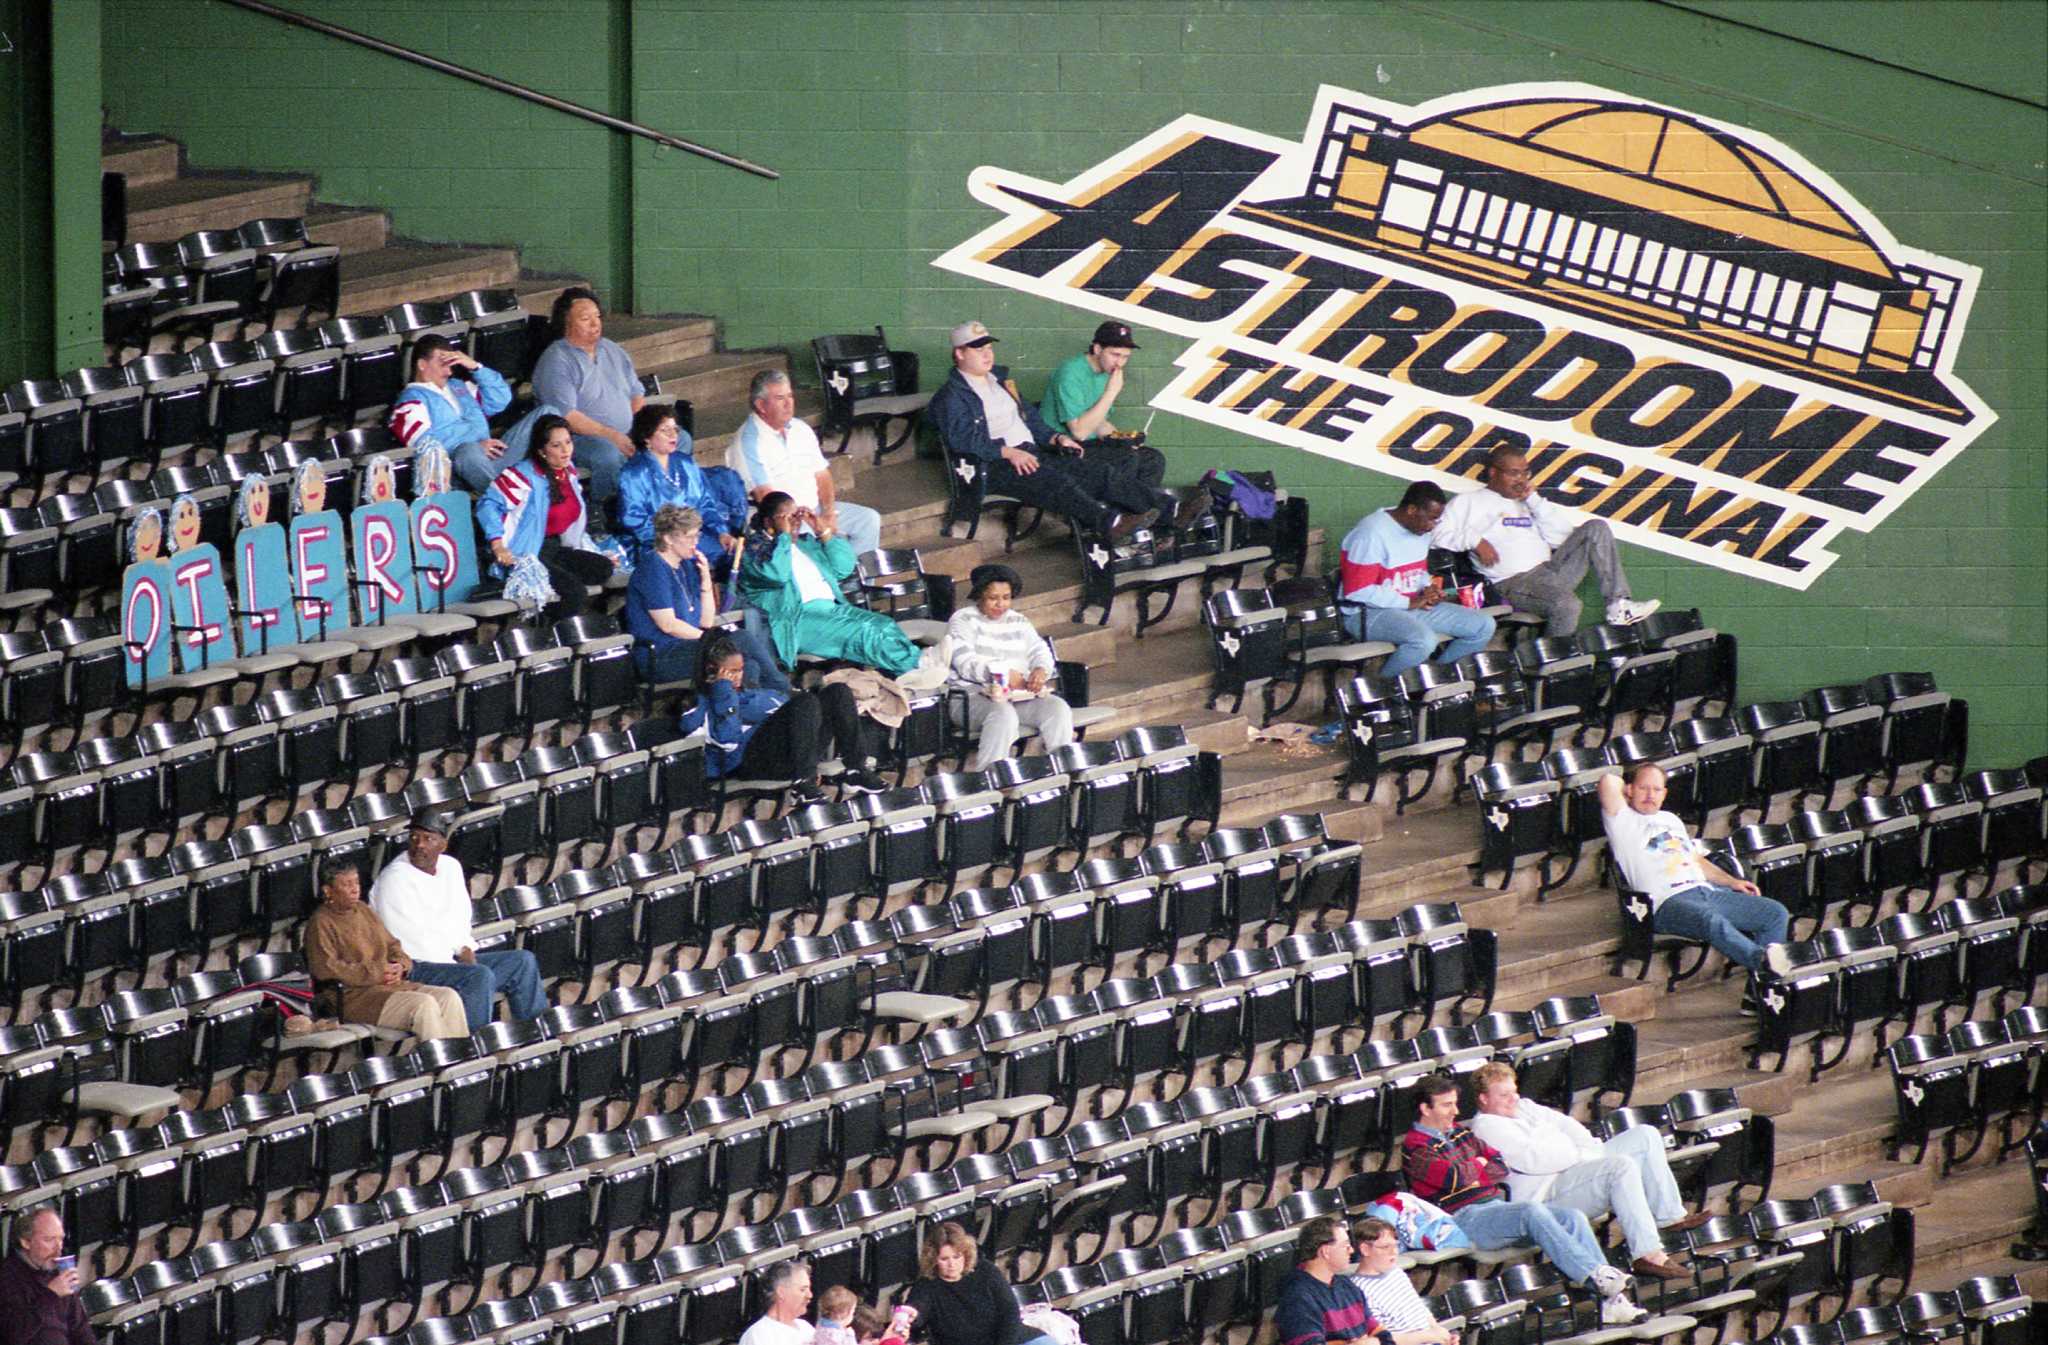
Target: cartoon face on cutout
431,471
146,536
379,486
185,523
252,506
310,489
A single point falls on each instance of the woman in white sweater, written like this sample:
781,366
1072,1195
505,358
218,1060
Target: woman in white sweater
1004,664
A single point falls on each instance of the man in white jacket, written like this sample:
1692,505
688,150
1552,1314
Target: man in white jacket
1535,552
1554,1159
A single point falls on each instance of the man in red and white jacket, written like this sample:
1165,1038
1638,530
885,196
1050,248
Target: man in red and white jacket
1390,595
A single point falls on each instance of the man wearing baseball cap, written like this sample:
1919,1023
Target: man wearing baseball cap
1080,394
423,899
981,417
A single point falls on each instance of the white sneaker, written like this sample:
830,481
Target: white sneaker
1626,611
934,666
1618,1311
1778,960
1609,1282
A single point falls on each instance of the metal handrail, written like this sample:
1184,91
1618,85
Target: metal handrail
504,86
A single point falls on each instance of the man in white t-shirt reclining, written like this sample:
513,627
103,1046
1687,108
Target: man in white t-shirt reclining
1689,896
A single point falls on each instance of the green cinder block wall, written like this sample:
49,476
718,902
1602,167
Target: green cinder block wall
1934,115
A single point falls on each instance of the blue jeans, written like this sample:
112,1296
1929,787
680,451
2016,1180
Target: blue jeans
1413,632
1735,924
678,662
1564,1234
602,459
511,970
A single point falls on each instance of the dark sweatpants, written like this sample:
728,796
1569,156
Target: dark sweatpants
1088,490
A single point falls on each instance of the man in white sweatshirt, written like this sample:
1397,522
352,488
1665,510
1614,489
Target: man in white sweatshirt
1554,1159
1535,552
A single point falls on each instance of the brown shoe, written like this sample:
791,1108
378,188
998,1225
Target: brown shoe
1123,525
1192,506
1646,1269
1690,1221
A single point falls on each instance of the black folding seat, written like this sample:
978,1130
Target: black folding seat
2015,822
1560,672
546,675
1800,1005
31,687
1893,849
1686,1157
1988,948
1505,713
1247,641
1834,860
1747,1143
1706,663
67,801
1923,725
1518,817
239,396
1785,757
54,446
604,678
1997,1312
371,372
1102,794
89,542
1635,678
99,936
1867,991
1776,861
1035,807
1602,1056
1450,963
497,335
1929,968
1951,834
1383,734
1931,1085
970,817
1722,768
1174,777
2001,1078
283,889
2028,904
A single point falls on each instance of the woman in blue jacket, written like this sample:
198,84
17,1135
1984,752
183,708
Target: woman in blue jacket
794,581
778,735
663,470
535,508
437,408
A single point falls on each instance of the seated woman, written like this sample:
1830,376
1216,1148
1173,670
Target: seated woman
672,596
778,735
592,382
348,948
663,470
1004,664
534,511
436,408
794,582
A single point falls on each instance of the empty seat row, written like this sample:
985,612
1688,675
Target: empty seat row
1978,1075
185,289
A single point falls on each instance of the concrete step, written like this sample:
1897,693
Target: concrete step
659,343
372,282
712,377
169,209
145,160
2032,1275
1972,1218
350,228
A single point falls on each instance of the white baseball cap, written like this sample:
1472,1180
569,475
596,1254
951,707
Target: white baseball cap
971,334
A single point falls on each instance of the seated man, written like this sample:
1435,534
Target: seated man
1447,1164
1688,896
423,899
347,944
979,417
1386,574
1389,1293
437,408
1080,393
1535,552
1553,1158
1318,1303
776,451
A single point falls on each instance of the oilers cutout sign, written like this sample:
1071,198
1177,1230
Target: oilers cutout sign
1691,331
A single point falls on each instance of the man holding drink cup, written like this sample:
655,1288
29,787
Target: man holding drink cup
39,1286
1390,595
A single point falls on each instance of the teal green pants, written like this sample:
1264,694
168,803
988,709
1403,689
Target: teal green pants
832,630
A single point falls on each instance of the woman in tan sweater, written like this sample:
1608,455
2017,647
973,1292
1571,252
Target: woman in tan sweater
347,944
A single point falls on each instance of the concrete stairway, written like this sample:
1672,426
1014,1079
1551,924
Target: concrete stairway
1832,1131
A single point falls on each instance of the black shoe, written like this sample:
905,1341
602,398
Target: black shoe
861,782
805,794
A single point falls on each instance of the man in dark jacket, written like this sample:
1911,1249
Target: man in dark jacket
979,417
38,1301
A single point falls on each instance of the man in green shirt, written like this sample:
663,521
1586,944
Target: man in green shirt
1083,389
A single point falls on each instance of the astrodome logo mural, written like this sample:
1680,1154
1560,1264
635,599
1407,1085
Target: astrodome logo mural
1692,332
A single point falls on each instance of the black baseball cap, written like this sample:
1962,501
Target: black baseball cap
1115,334
430,819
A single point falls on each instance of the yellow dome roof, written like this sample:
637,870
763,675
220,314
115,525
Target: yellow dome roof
1660,161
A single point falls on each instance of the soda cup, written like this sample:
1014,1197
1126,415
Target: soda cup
1468,596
